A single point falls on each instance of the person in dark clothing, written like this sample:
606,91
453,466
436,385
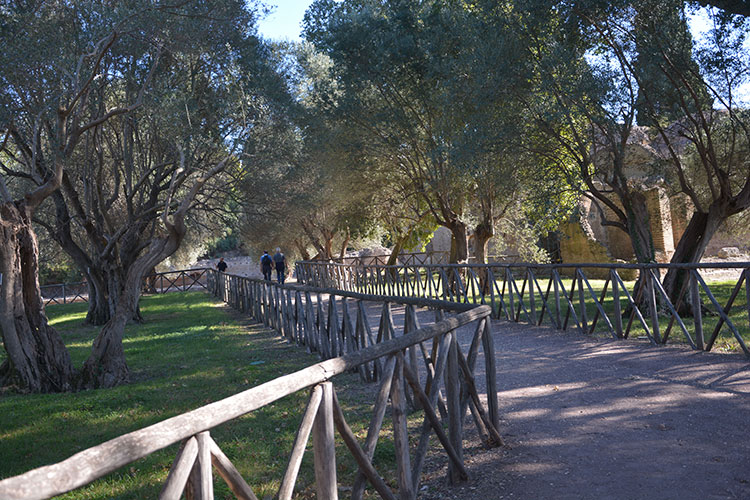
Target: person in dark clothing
221,266
265,265
280,261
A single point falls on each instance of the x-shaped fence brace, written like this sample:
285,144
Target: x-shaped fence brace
449,389
498,286
190,279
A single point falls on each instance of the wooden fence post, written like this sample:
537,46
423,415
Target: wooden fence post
582,301
616,302
325,446
488,345
653,309
204,462
180,471
453,402
695,298
401,433
298,449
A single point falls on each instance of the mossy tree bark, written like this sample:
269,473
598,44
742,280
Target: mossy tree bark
37,358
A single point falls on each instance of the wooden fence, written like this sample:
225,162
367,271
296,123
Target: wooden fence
434,257
446,393
411,259
169,281
561,295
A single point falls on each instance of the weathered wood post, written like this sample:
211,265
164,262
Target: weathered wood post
616,302
310,338
490,369
653,309
325,447
582,301
204,463
180,471
532,295
401,433
511,281
300,442
695,298
453,402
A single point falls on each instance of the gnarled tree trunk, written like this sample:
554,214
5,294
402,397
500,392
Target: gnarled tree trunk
302,249
393,257
639,228
483,232
100,309
106,366
105,287
459,233
37,358
690,249
459,250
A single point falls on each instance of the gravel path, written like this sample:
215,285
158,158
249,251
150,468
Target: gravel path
597,419
586,418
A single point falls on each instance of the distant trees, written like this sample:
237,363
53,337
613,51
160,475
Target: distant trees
429,100
303,192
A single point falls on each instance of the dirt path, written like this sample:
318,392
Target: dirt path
592,419
586,418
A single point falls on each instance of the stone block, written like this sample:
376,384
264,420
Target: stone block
733,253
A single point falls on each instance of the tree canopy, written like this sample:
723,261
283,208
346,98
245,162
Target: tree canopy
127,118
124,124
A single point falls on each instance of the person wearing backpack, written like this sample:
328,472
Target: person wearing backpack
266,263
280,261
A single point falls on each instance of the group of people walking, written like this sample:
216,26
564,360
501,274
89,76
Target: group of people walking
267,264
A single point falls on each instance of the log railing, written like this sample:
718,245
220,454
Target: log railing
425,368
562,295
433,257
169,281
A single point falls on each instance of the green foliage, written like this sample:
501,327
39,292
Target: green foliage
59,273
435,111
230,241
165,94
732,152
662,33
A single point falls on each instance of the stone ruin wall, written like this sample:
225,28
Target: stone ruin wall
588,240
591,239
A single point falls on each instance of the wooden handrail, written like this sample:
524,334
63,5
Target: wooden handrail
534,265
514,292
93,463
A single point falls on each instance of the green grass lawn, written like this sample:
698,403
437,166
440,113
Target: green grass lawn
721,290
190,351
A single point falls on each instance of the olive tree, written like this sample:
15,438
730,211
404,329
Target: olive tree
126,145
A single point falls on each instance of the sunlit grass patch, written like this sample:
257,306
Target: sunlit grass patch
189,352
470,292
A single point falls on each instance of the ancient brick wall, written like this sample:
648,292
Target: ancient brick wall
660,220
